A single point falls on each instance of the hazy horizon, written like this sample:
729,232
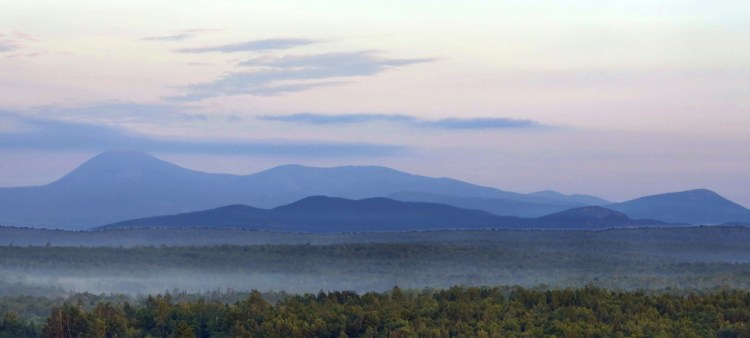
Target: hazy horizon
617,100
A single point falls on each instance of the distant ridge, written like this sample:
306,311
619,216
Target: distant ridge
592,217
699,206
522,207
118,185
580,198
330,214
121,185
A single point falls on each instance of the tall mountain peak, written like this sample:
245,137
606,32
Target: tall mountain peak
117,165
119,159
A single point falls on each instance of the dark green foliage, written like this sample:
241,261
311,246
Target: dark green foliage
454,312
12,326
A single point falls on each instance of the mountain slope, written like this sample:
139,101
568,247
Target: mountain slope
119,185
288,183
591,217
114,186
329,214
499,206
698,206
575,198
231,216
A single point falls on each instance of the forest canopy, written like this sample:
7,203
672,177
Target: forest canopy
453,312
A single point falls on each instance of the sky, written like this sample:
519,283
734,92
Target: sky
617,99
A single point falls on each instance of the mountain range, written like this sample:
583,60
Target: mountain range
122,185
332,214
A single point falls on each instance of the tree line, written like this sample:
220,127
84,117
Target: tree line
371,266
454,312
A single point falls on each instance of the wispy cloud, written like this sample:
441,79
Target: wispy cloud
312,118
251,46
481,123
173,37
47,134
16,45
446,123
179,35
14,41
365,62
304,71
8,45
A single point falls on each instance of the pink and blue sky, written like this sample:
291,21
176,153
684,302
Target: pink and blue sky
613,98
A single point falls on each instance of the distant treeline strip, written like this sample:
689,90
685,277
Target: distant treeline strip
693,260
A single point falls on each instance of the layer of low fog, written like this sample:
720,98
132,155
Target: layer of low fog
694,258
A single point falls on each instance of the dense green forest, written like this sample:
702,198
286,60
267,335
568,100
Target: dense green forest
454,312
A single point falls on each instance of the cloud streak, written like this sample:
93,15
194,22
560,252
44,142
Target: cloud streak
11,42
62,135
311,118
173,37
481,123
446,123
15,45
179,36
303,71
8,46
251,46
